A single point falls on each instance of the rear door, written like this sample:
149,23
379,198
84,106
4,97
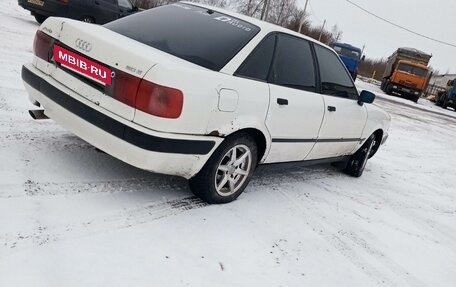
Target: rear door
345,119
295,110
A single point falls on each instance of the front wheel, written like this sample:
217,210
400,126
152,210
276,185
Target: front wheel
227,172
389,89
357,162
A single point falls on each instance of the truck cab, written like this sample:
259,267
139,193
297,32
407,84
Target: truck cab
408,78
350,56
447,98
406,73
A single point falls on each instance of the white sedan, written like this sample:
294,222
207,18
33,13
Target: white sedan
202,93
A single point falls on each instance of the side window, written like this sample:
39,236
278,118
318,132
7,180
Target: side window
335,80
257,64
293,64
125,4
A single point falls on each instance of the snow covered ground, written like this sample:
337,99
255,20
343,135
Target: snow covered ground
71,216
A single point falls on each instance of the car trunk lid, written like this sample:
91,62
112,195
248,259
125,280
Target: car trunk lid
99,64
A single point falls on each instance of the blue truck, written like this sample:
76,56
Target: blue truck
447,98
350,55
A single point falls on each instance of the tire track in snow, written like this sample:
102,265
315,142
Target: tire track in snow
126,218
34,188
129,217
344,242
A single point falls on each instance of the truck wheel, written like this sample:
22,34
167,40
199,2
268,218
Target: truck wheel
382,85
415,98
40,18
357,162
354,76
389,89
227,172
438,100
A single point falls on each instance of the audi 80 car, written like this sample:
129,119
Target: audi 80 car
202,93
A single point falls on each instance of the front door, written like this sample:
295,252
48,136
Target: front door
344,119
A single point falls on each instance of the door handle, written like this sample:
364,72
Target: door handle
331,108
282,102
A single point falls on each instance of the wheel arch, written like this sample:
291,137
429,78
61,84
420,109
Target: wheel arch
379,137
260,139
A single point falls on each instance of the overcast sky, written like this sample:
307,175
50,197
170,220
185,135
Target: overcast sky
434,18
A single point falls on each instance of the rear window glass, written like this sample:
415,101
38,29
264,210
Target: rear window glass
198,35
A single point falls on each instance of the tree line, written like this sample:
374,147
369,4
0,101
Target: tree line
285,13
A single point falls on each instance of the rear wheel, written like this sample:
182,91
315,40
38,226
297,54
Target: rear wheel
87,19
357,162
40,18
228,171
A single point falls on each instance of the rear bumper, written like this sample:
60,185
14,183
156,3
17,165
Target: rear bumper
182,155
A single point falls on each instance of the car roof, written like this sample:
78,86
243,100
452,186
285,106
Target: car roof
263,25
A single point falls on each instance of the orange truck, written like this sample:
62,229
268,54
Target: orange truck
406,73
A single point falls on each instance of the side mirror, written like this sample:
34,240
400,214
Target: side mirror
363,57
366,97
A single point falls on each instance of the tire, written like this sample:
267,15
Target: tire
389,89
221,180
382,85
357,162
87,19
415,98
40,18
437,103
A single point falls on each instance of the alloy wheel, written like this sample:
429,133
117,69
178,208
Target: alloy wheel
233,170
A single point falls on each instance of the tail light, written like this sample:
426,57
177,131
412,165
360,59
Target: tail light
148,97
126,88
42,45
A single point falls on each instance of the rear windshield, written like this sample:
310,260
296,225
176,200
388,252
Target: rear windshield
198,35
412,70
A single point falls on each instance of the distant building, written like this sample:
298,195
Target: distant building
438,83
441,80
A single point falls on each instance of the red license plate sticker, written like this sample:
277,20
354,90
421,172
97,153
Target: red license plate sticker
82,65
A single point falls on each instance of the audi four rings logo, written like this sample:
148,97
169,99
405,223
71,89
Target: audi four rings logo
83,45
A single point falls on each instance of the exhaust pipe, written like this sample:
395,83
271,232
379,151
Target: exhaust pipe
38,114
